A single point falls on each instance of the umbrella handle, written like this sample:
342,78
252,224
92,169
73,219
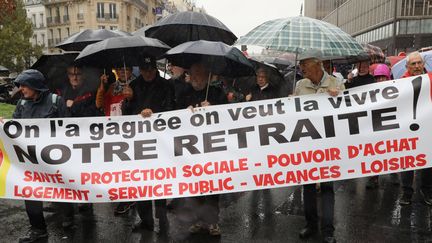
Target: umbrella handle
166,64
208,86
295,71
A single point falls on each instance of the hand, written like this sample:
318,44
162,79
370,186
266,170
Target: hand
1,120
333,91
192,109
69,103
205,103
248,97
146,113
104,79
127,92
350,77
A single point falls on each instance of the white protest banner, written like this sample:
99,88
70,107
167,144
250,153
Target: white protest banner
371,130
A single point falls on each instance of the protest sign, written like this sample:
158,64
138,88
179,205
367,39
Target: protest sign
370,130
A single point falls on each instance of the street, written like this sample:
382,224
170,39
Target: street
275,215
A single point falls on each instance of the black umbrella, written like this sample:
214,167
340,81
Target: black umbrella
120,51
53,67
142,30
275,77
218,57
187,26
80,40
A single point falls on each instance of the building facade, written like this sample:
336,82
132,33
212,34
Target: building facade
393,25
36,13
65,18
55,20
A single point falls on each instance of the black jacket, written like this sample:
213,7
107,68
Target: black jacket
43,107
84,101
157,95
268,92
360,80
191,97
179,84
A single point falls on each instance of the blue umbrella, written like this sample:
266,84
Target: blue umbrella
400,67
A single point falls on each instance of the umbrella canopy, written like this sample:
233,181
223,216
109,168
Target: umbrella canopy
376,55
142,30
117,51
80,40
187,26
400,67
279,61
296,34
53,67
275,77
218,57
394,59
3,69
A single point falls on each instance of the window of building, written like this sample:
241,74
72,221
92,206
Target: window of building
101,27
418,7
113,27
66,10
34,20
100,10
59,34
41,22
403,8
57,16
428,7
113,11
80,14
413,26
402,27
426,26
43,39
68,31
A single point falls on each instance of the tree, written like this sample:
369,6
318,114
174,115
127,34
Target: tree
16,51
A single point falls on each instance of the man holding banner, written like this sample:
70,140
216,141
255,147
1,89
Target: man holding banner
415,66
316,80
148,94
207,207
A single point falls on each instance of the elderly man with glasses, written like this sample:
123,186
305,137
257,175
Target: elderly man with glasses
415,66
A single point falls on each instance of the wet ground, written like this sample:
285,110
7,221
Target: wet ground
275,215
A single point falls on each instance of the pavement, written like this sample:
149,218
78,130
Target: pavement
276,215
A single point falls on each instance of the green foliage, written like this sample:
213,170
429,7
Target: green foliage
6,110
16,50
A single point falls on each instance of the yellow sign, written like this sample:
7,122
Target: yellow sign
4,167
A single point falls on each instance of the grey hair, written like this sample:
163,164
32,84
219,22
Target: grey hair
413,54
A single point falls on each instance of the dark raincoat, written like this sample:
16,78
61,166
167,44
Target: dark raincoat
84,101
268,92
191,97
157,95
42,107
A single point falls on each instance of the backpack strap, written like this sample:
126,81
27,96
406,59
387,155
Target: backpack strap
54,100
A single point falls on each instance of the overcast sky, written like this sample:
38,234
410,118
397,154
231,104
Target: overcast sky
241,16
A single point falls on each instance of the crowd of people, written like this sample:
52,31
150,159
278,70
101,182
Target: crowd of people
122,93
